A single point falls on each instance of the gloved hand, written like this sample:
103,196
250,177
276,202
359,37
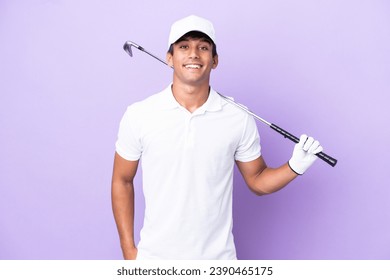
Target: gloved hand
304,154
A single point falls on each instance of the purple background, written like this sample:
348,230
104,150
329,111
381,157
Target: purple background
316,67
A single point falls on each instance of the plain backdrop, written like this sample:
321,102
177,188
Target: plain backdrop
315,67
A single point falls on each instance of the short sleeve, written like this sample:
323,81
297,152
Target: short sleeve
128,144
249,147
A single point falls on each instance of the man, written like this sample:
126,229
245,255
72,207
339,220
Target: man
188,139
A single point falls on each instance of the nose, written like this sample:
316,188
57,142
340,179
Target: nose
194,53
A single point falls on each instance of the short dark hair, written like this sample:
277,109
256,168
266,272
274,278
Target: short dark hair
195,35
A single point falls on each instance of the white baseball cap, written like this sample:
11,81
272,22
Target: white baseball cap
188,24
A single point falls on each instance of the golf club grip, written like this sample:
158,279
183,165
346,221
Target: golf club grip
328,159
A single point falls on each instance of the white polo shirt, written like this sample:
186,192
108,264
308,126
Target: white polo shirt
187,163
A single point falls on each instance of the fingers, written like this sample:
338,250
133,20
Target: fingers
309,145
304,154
302,141
315,148
309,142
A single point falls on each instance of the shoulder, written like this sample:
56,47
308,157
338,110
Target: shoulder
150,104
238,115
230,106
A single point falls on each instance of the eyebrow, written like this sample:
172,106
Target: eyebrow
205,40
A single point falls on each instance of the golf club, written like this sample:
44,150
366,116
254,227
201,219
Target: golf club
328,159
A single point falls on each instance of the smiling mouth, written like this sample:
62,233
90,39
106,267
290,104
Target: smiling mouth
193,66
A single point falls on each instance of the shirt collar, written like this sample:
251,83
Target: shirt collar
213,103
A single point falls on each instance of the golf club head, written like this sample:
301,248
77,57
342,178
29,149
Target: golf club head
127,47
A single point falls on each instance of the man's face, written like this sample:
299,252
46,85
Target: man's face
192,61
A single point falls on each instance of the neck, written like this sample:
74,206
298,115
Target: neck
190,97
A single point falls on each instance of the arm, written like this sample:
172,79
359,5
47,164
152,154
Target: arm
122,194
264,180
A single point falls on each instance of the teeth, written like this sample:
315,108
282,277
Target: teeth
192,66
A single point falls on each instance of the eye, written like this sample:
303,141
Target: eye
183,47
204,48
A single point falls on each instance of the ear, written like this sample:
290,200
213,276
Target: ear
215,61
169,59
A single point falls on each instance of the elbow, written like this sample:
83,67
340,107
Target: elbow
259,191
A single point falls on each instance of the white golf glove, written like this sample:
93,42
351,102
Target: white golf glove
304,154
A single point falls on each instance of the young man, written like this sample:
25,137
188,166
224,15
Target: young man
188,139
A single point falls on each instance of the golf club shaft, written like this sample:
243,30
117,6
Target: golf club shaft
328,159
127,47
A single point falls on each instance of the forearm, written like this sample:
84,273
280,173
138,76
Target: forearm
123,208
271,180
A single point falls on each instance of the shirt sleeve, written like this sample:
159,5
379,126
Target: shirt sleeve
249,146
128,144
